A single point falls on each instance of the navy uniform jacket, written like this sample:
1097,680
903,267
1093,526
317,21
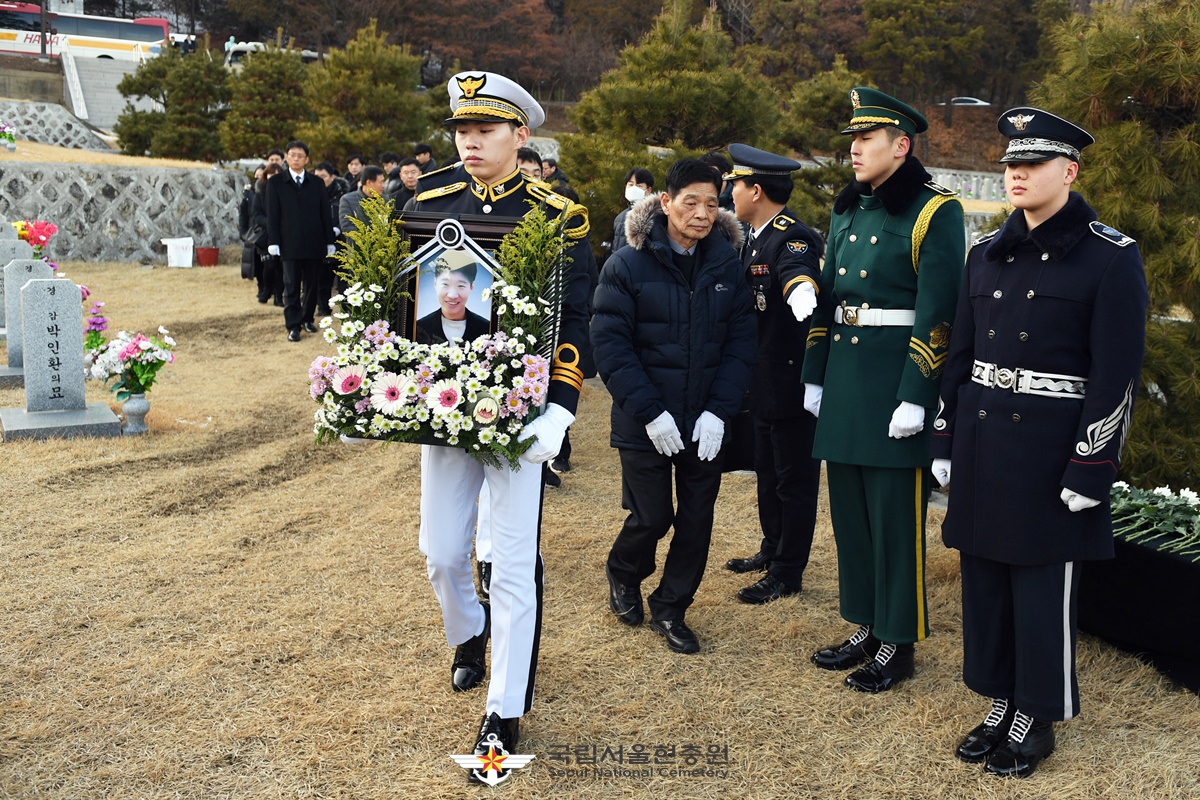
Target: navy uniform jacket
786,254
452,190
1070,300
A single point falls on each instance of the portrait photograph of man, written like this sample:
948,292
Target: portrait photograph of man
449,303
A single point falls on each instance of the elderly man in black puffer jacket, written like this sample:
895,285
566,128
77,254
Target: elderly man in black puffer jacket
674,339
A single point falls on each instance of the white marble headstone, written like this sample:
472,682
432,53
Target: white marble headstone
16,275
52,333
7,231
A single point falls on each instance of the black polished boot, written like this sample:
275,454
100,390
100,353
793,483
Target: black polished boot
497,735
469,665
893,664
484,568
1030,741
987,735
860,647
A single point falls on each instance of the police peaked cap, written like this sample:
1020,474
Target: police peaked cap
749,160
488,97
1036,135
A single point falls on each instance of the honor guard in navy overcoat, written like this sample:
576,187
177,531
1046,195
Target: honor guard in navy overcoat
1036,403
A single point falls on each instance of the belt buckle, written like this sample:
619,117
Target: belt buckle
850,315
1006,378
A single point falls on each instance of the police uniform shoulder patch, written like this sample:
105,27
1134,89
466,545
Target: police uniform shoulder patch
987,237
797,247
441,191
782,222
1111,234
942,190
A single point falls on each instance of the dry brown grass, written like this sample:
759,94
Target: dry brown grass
221,609
51,154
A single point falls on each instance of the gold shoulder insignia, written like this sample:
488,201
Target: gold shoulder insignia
441,191
987,237
942,190
541,191
782,222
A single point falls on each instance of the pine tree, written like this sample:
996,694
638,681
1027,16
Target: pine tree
266,103
192,94
1133,81
366,99
921,47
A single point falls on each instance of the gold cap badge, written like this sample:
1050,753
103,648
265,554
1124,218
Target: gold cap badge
470,85
854,101
1021,121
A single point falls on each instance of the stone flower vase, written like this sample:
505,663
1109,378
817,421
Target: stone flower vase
135,409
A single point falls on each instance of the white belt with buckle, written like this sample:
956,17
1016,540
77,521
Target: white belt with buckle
1024,381
873,317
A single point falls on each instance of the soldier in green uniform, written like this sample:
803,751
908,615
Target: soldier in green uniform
872,367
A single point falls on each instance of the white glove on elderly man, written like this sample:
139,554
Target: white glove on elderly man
664,434
803,301
550,427
709,431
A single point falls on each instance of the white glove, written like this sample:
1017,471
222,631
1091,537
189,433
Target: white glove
272,249
337,231
907,419
709,431
941,470
330,249
664,434
1077,502
803,301
812,398
549,428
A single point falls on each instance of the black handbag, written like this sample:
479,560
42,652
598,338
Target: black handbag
249,260
255,233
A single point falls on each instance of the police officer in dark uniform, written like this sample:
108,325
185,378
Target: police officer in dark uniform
491,116
781,253
1036,402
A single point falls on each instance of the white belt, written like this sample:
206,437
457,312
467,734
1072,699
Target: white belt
873,317
1023,381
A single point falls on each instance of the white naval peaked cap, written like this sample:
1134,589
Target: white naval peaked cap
486,96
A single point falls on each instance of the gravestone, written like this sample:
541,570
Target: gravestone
19,272
7,231
10,247
56,405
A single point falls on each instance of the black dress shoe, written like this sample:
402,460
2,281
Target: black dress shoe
755,563
308,326
279,302
860,647
469,667
498,734
560,464
678,635
294,335
987,735
324,312
550,478
768,589
624,601
892,664
262,299
484,568
1020,757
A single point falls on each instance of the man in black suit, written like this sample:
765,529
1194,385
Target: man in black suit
454,280
299,231
350,206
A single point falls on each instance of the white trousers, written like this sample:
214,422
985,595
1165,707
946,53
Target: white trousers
483,531
450,484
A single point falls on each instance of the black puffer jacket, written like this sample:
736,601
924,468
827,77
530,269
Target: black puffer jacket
661,345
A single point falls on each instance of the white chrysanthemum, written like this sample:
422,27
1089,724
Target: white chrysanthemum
1191,497
1163,491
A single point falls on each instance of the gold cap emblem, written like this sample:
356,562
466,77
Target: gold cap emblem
854,101
1021,121
471,85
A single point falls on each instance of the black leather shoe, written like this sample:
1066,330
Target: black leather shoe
860,647
308,326
495,733
560,464
987,735
262,299
768,589
279,302
469,666
1019,757
755,563
294,335
484,568
678,635
550,477
324,312
892,664
624,601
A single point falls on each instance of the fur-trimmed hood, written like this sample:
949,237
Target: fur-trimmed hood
896,194
1056,236
639,223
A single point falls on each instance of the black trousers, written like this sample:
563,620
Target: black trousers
325,283
789,479
1019,628
300,290
646,493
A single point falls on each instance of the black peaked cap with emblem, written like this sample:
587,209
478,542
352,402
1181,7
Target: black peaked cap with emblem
749,160
1035,135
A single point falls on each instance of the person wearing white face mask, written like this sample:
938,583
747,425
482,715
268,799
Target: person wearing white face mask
638,183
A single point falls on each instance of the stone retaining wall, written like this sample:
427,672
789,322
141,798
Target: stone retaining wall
48,123
107,213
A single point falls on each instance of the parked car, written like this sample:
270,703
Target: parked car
966,101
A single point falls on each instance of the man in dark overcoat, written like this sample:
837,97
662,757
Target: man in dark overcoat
1036,403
